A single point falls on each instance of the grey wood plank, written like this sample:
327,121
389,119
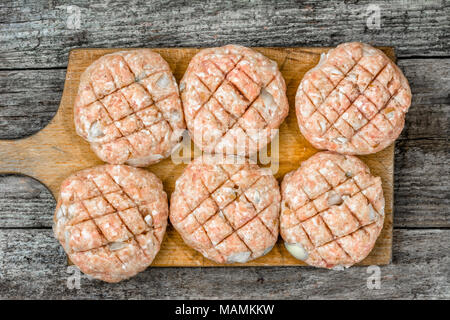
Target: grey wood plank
39,34
429,79
422,183
421,190
428,116
34,266
30,98
25,203
422,152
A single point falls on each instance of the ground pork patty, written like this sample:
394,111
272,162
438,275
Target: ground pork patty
354,101
111,220
226,208
234,100
128,108
332,210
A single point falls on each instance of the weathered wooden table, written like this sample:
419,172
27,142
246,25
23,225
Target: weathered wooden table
35,39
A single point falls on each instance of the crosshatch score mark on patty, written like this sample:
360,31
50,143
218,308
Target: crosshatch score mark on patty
111,220
354,101
128,108
332,210
226,208
234,99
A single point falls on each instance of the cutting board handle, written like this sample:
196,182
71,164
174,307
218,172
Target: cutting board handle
46,155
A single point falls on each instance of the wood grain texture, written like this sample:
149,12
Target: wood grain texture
33,265
25,203
429,114
54,153
30,99
421,190
40,34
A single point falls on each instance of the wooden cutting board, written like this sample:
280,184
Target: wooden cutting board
56,151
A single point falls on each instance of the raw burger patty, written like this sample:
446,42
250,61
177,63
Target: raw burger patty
111,220
234,100
226,208
332,210
128,108
354,101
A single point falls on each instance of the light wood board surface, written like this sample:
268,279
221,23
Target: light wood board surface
56,151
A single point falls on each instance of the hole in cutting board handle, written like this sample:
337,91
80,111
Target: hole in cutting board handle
31,109
25,202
